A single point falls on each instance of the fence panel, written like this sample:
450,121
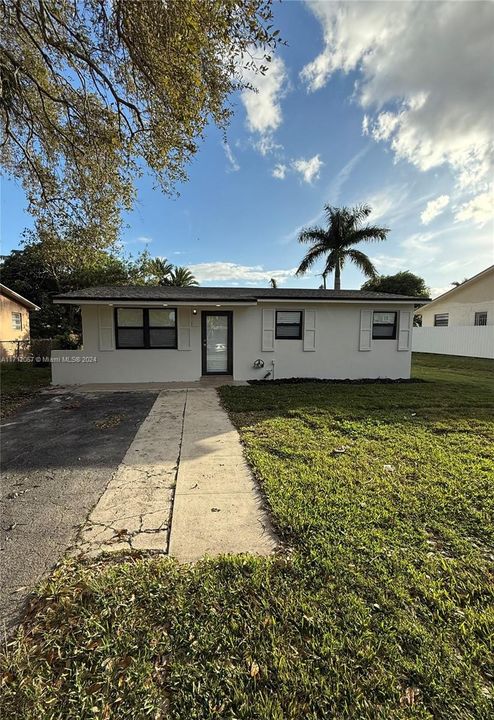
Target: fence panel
463,340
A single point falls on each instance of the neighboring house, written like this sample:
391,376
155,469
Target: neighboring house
461,321
166,334
14,321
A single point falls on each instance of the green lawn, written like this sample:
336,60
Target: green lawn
380,607
18,383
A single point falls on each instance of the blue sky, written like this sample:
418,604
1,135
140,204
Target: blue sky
385,103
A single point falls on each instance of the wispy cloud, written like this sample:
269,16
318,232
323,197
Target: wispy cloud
434,208
336,184
232,162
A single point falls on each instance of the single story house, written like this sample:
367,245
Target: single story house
14,322
469,304
461,320
165,334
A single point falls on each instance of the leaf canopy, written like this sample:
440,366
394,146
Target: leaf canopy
94,92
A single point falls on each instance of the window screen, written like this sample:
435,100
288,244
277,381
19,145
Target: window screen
288,324
384,326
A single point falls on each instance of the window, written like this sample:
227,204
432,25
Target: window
441,320
384,326
481,318
288,324
17,320
145,328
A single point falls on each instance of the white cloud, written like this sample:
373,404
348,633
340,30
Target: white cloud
233,164
262,103
279,171
388,264
144,239
479,210
266,145
425,78
308,169
214,272
434,208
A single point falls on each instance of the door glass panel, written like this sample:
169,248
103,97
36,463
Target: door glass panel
217,343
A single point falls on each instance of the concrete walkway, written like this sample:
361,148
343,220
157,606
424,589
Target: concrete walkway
217,507
185,468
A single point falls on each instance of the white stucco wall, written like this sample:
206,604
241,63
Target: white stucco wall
337,353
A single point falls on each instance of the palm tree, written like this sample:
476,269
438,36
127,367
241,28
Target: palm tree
181,277
160,270
335,242
273,283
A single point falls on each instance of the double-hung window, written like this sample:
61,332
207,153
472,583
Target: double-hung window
481,318
441,320
384,326
288,324
146,328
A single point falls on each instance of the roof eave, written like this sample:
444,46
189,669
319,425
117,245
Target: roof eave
151,303
18,298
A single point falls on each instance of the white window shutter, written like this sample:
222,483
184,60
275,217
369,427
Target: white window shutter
184,325
105,327
309,330
365,342
405,330
268,320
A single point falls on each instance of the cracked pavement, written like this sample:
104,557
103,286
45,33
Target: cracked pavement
134,512
59,454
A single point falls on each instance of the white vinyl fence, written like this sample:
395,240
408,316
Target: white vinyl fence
464,340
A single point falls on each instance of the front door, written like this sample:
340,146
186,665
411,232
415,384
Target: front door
217,345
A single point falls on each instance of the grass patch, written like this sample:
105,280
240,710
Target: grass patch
18,383
381,608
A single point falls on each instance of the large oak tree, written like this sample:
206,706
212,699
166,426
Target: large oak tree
95,92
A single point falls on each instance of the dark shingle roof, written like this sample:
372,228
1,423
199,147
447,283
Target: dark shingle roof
223,294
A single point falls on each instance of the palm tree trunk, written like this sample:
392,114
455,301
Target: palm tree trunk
324,280
337,277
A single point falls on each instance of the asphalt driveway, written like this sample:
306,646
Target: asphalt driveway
58,455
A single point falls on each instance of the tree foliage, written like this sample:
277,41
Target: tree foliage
44,269
182,277
334,243
34,275
403,283
93,92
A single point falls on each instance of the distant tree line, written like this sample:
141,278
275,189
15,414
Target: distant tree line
38,274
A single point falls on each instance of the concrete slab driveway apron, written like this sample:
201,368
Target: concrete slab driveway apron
134,511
